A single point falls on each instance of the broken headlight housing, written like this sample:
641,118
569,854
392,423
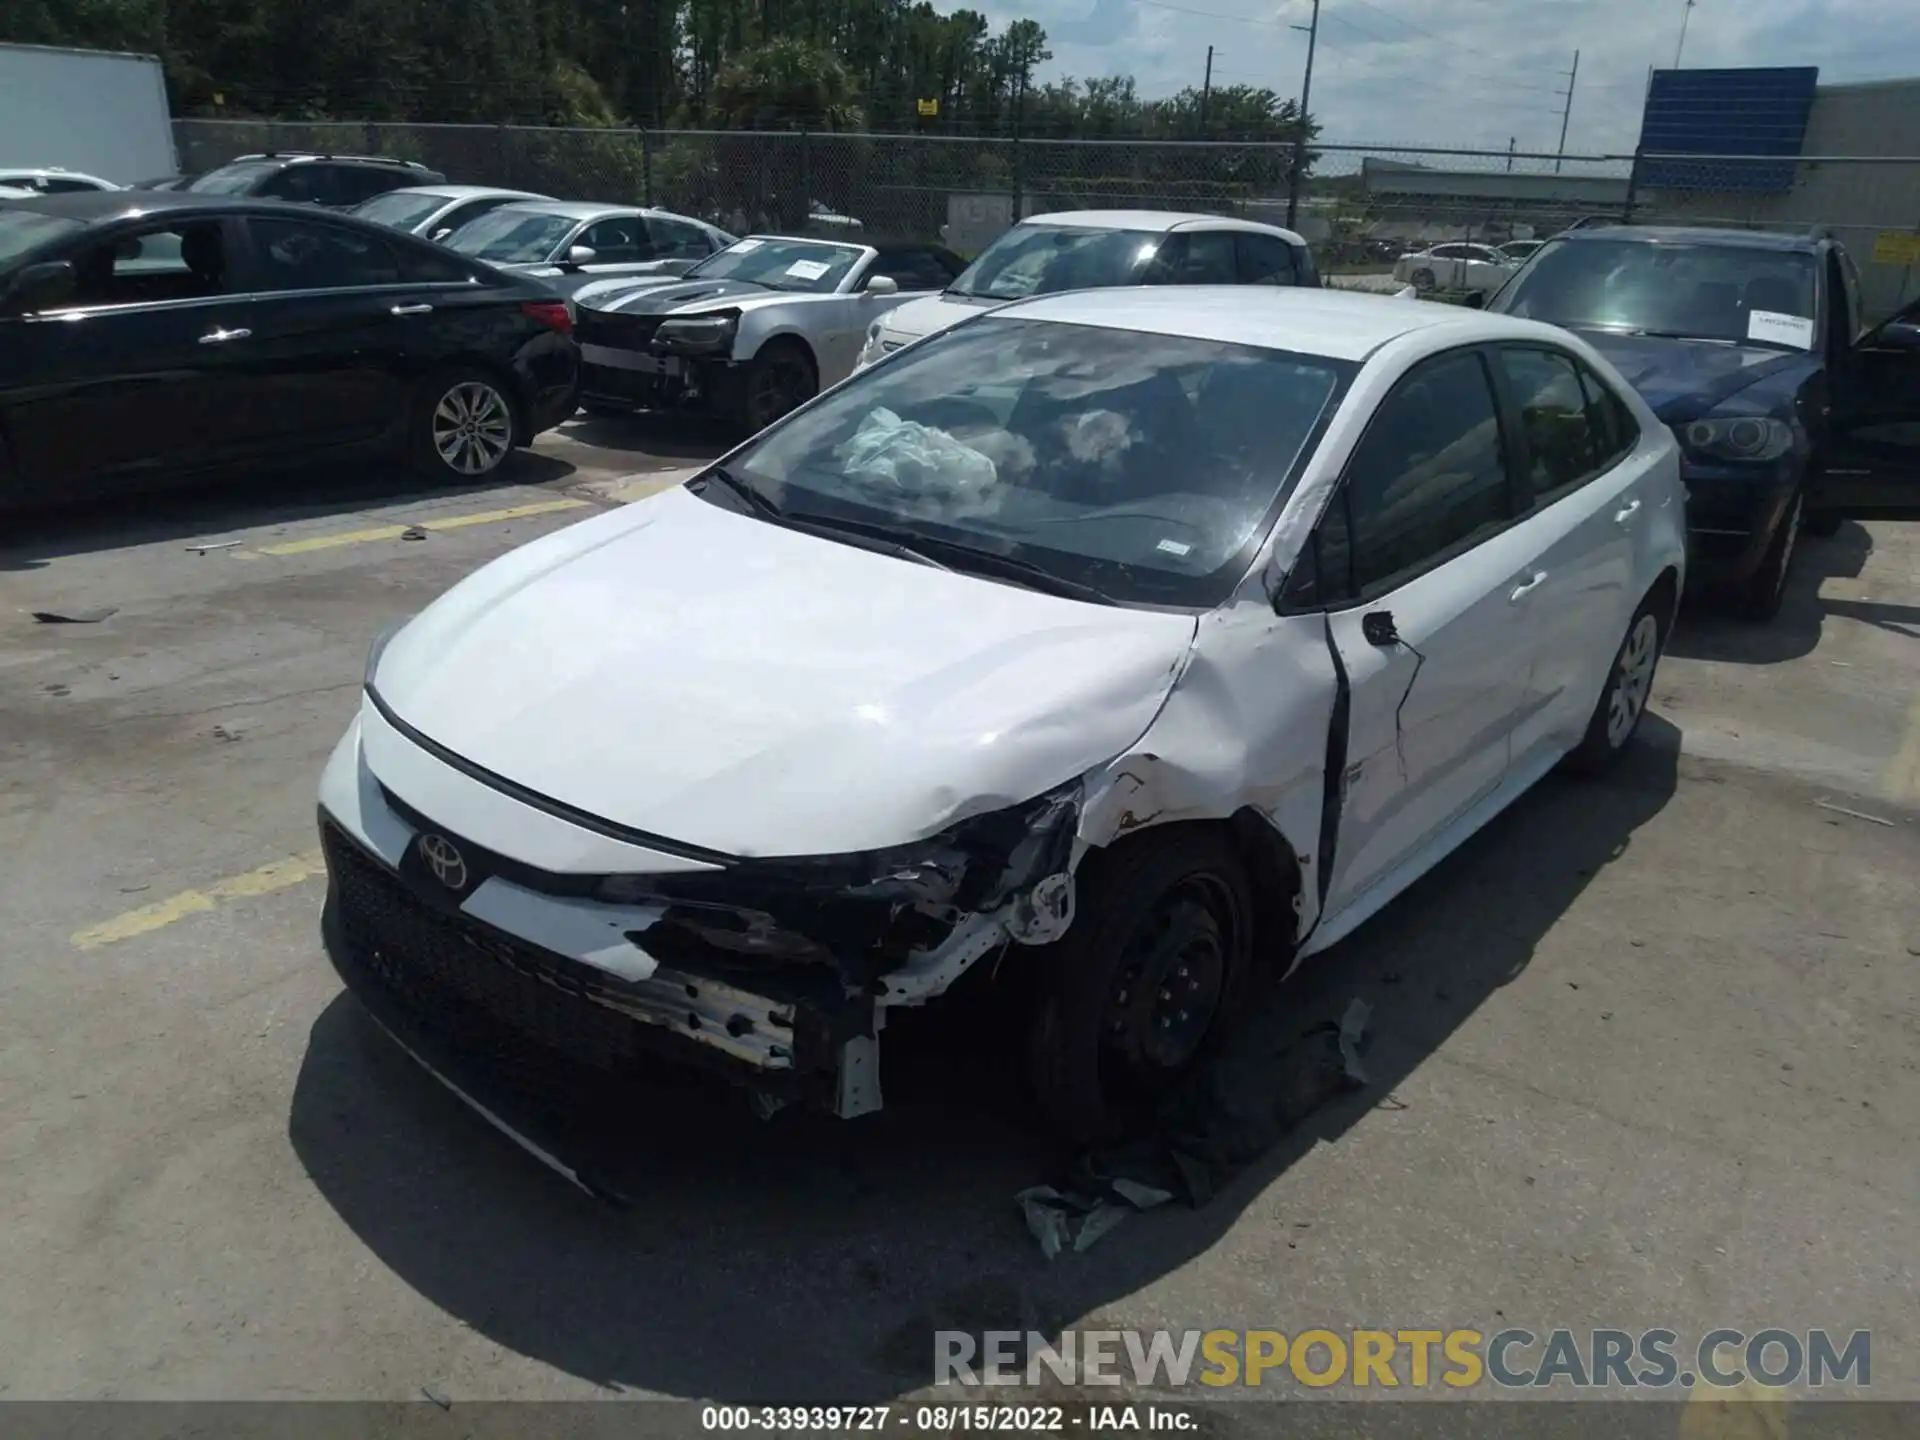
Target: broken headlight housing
701,334
973,865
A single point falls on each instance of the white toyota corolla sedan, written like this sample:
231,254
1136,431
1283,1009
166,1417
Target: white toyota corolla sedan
1134,640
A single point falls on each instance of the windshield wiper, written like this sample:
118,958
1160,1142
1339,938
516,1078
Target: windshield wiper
877,538
756,502
973,557
1683,335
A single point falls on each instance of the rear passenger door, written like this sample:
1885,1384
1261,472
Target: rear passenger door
1587,507
1414,562
330,335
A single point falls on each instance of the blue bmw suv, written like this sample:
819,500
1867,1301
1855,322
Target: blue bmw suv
1790,412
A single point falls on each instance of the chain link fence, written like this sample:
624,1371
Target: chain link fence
1360,206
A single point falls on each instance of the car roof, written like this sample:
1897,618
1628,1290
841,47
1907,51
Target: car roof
1337,324
1697,235
1157,221
573,209
458,192
860,244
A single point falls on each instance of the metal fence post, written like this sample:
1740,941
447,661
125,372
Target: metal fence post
1633,187
1019,177
646,167
806,171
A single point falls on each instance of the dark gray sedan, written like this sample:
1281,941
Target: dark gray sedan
568,244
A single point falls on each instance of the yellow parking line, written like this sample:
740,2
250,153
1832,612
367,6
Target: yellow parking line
443,522
1903,771
279,875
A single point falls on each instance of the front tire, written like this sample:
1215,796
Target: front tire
1422,280
1623,703
1142,987
464,425
781,378
1761,600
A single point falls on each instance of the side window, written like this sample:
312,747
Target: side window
461,214
1430,474
1323,575
298,255
354,183
617,240
54,186
1264,260
1446,252
912,269
177,262
1563,448
421,266
302,184
1613,423
677,240
1199,257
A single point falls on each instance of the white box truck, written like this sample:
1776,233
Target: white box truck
94,111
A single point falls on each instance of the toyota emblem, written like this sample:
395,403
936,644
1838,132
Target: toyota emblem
444,859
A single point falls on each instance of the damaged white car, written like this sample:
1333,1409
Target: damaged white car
1146,639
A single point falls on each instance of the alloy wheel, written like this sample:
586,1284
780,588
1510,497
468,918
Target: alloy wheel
472,428
1632,679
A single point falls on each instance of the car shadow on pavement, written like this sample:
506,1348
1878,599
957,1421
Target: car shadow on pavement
207,510
807,1259
694,438
1710,630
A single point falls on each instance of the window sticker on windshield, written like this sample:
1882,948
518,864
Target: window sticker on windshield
1174,547
808,269
1794,330
741,247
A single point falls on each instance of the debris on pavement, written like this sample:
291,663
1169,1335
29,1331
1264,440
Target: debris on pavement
434,1395
1265,1081
413,532
1855,814
91,616
201,547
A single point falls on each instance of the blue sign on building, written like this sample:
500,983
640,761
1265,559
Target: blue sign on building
1759,112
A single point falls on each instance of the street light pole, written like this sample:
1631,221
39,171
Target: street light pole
1300,126
1686,14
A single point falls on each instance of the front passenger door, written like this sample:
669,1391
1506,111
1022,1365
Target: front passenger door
1870,465
1421,536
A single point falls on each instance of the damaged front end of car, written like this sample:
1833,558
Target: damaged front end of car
831,943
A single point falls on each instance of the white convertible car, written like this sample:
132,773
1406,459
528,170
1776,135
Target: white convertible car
1139,638
759,328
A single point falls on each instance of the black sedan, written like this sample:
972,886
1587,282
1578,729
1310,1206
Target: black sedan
148,336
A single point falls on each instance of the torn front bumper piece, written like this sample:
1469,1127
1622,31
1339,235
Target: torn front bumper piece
773,975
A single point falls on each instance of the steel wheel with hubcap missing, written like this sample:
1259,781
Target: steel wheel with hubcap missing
1623,703
781,378
1140,990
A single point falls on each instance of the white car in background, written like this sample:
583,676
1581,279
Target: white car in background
52,180
1479,268
1123,641
1097,249
434,212
1520,251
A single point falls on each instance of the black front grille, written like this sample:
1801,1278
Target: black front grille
616,331
468,985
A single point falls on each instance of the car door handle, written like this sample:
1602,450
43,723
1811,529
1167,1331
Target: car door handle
1526,586
411,310
221,337
1626,512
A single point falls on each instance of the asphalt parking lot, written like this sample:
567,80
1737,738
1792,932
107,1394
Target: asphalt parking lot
1645,1053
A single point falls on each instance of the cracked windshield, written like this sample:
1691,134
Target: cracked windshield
1148,473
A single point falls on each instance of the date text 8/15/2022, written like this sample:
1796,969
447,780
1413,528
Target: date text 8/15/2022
945,1419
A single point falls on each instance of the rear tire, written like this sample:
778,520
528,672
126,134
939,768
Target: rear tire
1623,702
464,425
1422,280
1761,600
1143,987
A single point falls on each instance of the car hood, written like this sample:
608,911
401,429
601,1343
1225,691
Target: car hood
702,676
670,296
1685,379
935,313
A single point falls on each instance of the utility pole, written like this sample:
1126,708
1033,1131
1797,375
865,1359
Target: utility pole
1566,114
1300,127
1686,14
1206,92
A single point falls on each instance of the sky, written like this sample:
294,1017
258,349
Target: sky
1468,73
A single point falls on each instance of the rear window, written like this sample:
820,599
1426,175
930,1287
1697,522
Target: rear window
24,230
399,209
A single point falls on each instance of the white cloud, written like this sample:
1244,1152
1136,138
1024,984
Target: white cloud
1474,73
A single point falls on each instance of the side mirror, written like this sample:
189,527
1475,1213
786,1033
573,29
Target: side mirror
581,255
1900,335
40,287
882,285
1475,300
